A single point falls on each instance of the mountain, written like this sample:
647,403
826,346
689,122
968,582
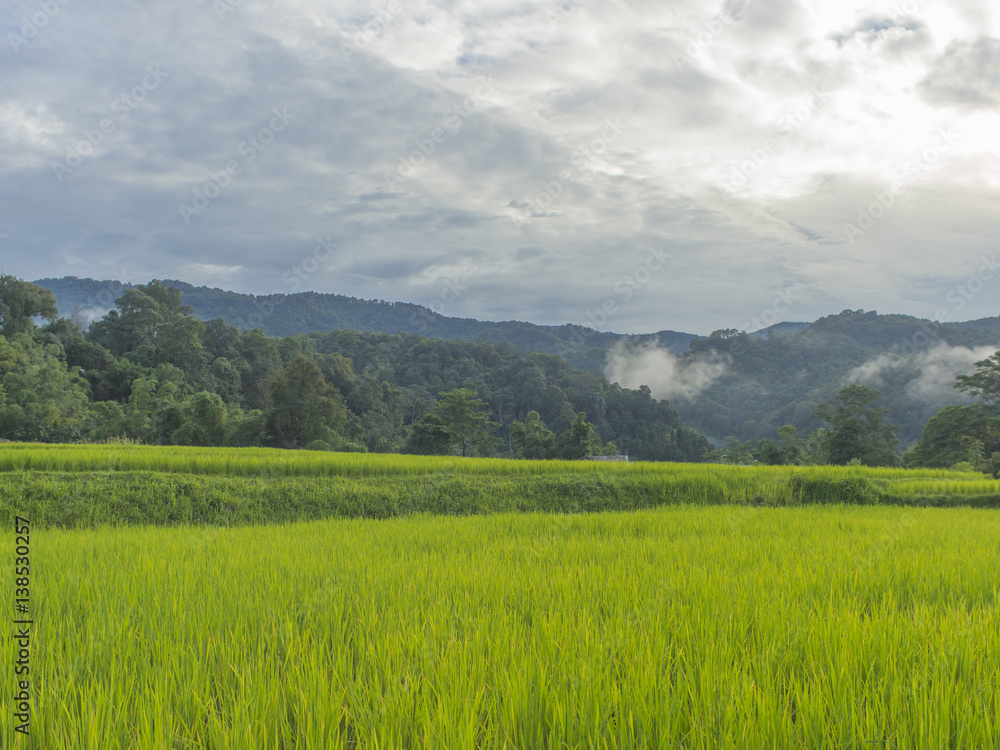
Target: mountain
982,323
752,384
767,382
307,312
786,327
149,371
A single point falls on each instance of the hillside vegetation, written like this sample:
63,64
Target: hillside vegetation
151,372
781,379
280,315
773,377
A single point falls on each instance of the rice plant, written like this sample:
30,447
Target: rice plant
824,627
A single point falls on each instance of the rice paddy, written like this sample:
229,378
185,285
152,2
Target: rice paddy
273,462
724,618
73,486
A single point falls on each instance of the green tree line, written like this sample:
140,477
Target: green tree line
149,371
774,377
856,432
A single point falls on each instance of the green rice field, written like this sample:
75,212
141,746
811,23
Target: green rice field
74,486
188,598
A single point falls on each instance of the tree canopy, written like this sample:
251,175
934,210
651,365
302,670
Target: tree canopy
21,301
458,423
858,431
984,383
149,371
967,436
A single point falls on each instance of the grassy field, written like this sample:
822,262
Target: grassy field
203,598
74,486
272,462
680,627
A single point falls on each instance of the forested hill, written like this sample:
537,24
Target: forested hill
770,378
282,315
151,372
781,379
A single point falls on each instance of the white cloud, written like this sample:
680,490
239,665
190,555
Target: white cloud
667,375
931,372
560,70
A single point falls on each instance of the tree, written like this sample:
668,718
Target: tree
151,327
262,362
790,444
785,450
579,440
246,428
770,453
724,334
40,399
303,406
985,382
958,434
20,301
857,428
139,410
733,451
610,449
466,421
430,436
130,327
815,450
204,421
532,439
458,423
152,372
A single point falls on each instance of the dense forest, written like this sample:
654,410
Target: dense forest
773,377
281,315
151,372
783,378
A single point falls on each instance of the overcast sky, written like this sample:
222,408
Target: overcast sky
685,165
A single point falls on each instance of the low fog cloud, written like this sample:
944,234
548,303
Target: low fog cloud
932,372
84,316
667,375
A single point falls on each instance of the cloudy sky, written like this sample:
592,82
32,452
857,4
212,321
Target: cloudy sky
631,165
